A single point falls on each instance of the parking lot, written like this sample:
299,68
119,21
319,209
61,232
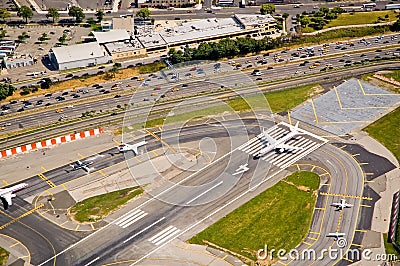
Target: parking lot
347,106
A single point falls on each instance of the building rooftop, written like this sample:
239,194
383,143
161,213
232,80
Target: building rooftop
117,47
77,52
123,23
111,36
151,40
254,20
20,57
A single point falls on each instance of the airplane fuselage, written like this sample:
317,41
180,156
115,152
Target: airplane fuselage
282,140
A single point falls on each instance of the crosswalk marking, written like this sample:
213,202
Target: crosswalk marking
164,235
283,159
131,218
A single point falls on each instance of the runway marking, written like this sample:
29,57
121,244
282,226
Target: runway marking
315,233
160,129
357,245
159,139
77,227
44,169
137,159
117,142
290,119
347,259
312,238
164,235
324,174
369,173
64,186
91,225
307,243
315,112
154,152
298,167
224,257
21,216
133,136
368,181
13,245
344,196
361,230
51,184
339,221
363,205
320,209
102,173
344,146
312,169
374,94
131,218
363,163
144,229
61,224
354,155
5,182
92,261
204,192
80,155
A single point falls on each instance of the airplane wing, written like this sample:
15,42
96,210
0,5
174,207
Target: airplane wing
288,147
270,139
336,204
6,199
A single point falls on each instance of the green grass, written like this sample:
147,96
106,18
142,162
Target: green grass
279,101
358,18
387,131
96,208
279,217
152,67
3,256
395,74
389,248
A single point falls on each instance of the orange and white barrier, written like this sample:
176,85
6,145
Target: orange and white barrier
50,142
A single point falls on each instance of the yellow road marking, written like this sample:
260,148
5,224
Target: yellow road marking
354,155
117,142
321,209
137,159
312,238
154,152
160,129
80,155
225,257
290,119
369,173
315,233
64,186
102,173
5,182
344,257
312,169
159,139
21,216
337,97
373,94
344,196
61,224
44,169
344,146
368,181
51,184
363,205
298,167
77,227
91,225
307,243
132,136
315,112
357,245
359,230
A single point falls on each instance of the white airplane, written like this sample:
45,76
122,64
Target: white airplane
6,194
342,204
81,165
128,147
336,235
279,144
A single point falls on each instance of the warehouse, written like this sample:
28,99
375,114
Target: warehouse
79,55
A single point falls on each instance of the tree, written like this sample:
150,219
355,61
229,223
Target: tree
267,9
6,90
337,10
53,13
143,13
25,12
46,84
3,34
304,21
100,15
4,13
23,36
285,15
63,38
43,37
77,13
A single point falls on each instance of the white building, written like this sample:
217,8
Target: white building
79,55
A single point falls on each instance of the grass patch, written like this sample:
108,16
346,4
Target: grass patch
386,130
395,74
359,18
389,248
279,101
4,254
96,208
150,68
279,217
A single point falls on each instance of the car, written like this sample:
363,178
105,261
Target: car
146,99
60,98
95,85
106,92
102,90
157,88
13,102
312,67
5,107
64,93
362,55
98,87
348,62
193,69
70,75
341,60
184,85
102,67
258,78
21,109
174,89
117,96
270,67
39,102
76,96
85,91
154,94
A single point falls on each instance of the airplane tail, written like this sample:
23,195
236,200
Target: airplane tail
270,139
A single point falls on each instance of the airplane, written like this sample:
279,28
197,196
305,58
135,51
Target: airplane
279,145
81,165
342,205
128,147
336,235
6,194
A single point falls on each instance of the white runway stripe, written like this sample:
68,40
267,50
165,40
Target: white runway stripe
131,218
164,235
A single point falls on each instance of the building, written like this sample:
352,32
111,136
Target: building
122,23
18,61
168,3
126,49
79,55
111,36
